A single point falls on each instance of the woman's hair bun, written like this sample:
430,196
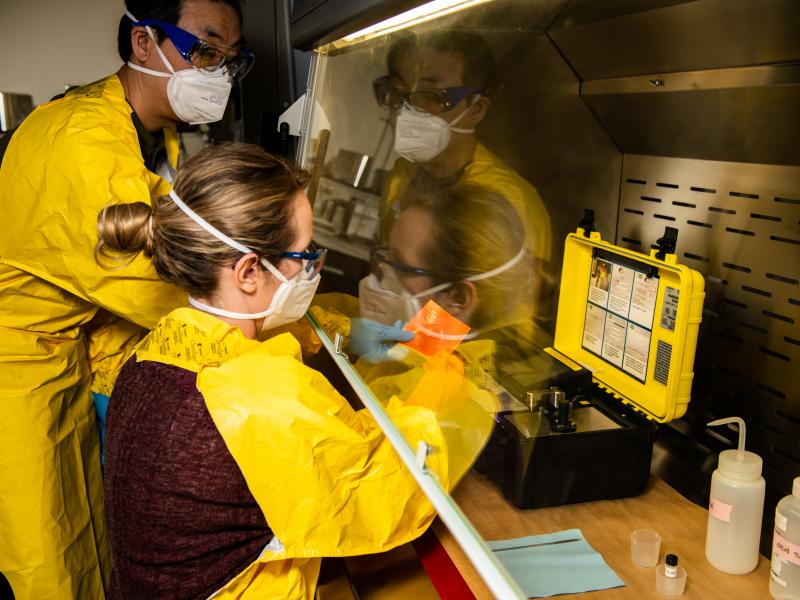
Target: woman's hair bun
124,231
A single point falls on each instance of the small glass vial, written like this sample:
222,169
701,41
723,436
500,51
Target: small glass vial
670,578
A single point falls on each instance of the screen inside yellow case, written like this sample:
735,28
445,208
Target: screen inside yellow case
621,304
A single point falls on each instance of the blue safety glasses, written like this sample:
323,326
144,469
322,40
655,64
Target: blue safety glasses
202,55
430,100
313,259
379,257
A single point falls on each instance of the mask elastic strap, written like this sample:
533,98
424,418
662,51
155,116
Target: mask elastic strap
221,312
496,271
221,236
160,53
459,117
158,49
136,67
274,271
502,268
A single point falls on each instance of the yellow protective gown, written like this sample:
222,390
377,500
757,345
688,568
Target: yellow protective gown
328,481
69,159
465,412
489,172
458,386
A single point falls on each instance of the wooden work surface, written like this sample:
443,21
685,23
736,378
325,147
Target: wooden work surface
606,525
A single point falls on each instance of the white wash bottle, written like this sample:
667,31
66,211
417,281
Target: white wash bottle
735,508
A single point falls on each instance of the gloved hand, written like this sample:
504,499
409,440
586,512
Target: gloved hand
372,340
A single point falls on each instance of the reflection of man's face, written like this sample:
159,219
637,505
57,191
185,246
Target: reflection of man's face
441,70
427,69
404,71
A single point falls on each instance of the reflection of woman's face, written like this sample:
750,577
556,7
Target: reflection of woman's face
409,240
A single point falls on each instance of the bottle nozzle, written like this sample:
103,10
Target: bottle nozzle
742,430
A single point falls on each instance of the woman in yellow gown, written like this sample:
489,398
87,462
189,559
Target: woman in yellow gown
231,467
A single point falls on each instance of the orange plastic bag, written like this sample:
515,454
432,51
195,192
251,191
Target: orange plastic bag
435,330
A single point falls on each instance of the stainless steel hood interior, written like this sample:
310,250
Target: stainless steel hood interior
708,79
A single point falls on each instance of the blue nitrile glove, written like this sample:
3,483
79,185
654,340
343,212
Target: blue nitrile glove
372,340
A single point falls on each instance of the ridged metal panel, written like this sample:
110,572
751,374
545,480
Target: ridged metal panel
706,79
739,225
743,114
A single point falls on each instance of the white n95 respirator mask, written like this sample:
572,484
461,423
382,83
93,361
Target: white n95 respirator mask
290,301
195,96
420,136
386,304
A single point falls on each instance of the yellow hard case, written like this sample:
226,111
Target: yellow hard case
660,397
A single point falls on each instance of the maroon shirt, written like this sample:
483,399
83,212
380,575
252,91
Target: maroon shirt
181,519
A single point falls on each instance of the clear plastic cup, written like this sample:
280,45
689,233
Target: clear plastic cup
645,545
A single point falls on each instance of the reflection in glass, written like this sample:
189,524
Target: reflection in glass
429,231
446,80
428,168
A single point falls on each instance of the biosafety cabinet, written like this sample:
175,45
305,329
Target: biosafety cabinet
546,339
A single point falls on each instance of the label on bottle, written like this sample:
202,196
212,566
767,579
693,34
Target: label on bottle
786,551
670,571
781,522
777,564
777,579
720,510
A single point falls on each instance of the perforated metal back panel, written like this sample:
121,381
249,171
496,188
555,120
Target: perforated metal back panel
740,226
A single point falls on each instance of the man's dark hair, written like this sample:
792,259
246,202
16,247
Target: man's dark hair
404,45
479,65
168,11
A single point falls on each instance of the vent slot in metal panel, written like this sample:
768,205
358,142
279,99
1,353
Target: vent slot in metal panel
738,226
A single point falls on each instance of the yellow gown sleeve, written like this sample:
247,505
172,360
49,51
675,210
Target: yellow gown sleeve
302,331
463,409
327,479
93,161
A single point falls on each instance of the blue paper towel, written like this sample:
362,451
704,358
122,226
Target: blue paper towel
568,567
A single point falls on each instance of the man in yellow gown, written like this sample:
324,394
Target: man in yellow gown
63,318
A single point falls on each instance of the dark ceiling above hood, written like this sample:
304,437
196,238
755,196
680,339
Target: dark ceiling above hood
711,79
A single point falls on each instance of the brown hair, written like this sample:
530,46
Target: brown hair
479,65
243,191
476,231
